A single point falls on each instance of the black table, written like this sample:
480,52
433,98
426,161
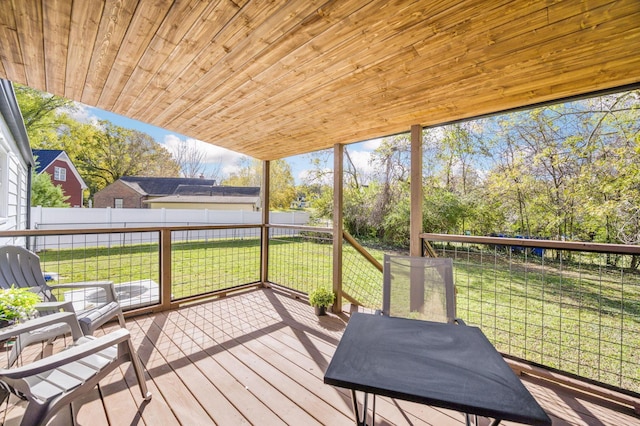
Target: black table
443,365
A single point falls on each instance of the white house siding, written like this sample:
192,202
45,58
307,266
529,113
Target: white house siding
14,182
15,162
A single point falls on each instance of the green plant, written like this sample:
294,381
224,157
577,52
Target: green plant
321,296
16,303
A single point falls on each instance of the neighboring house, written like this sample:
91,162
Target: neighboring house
176,193
16,163
57,164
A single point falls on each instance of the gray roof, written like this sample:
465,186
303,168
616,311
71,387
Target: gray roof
159,186
164,186
233,191
203,199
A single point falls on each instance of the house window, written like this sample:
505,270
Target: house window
60,173
117,203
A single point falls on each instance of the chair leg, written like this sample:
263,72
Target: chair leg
121,320
137,367
35,414
48,349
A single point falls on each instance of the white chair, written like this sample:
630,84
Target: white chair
53,382
21,267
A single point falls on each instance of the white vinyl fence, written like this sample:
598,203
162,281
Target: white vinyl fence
48,218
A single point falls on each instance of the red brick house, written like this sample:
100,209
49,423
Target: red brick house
139,192
57,164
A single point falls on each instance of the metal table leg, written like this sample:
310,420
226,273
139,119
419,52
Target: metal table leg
363,421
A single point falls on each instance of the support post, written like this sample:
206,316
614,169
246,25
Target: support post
338,161
415,226
264,237
165,268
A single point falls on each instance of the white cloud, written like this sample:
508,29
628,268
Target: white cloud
371,145
362,161
212,153
83,114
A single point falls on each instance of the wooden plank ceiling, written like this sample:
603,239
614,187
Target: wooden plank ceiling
281,77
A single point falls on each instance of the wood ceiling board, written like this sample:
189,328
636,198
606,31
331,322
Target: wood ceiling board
85,21
28,15
180,19
278,78
148,16
11,54
235,77
182,90
116,16
233,62
56,27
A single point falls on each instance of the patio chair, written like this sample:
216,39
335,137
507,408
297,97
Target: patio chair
419,288
21,267
54,382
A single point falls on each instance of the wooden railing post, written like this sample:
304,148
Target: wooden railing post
264,237
338,152
415,226
165,268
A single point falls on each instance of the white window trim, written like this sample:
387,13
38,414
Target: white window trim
59,174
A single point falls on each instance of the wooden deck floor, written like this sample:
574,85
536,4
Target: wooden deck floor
259,358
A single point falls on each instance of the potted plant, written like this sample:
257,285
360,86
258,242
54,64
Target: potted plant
320,298
16,304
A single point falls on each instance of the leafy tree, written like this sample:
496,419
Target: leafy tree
102,153
44,193
113,152
282,184
43,115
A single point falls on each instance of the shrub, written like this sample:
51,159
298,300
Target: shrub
321,296
17,303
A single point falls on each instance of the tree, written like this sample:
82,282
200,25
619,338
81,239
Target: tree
44,193
190,159
113,152
43,115
282,185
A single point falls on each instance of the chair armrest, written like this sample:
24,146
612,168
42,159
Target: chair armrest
67,356
107,286
68,318
459,321
55,306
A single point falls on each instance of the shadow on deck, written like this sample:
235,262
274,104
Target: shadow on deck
259,357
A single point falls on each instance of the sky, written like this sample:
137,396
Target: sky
217,157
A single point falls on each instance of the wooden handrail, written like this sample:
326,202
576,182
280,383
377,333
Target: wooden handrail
362,250
527,242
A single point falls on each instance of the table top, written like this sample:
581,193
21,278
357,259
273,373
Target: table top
444,365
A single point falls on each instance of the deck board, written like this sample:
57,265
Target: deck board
259,358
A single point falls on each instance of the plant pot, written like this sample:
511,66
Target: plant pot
320,310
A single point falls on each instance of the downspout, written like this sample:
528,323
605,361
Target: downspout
29,184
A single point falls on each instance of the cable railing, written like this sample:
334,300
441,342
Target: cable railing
151,267
300,258
571,307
